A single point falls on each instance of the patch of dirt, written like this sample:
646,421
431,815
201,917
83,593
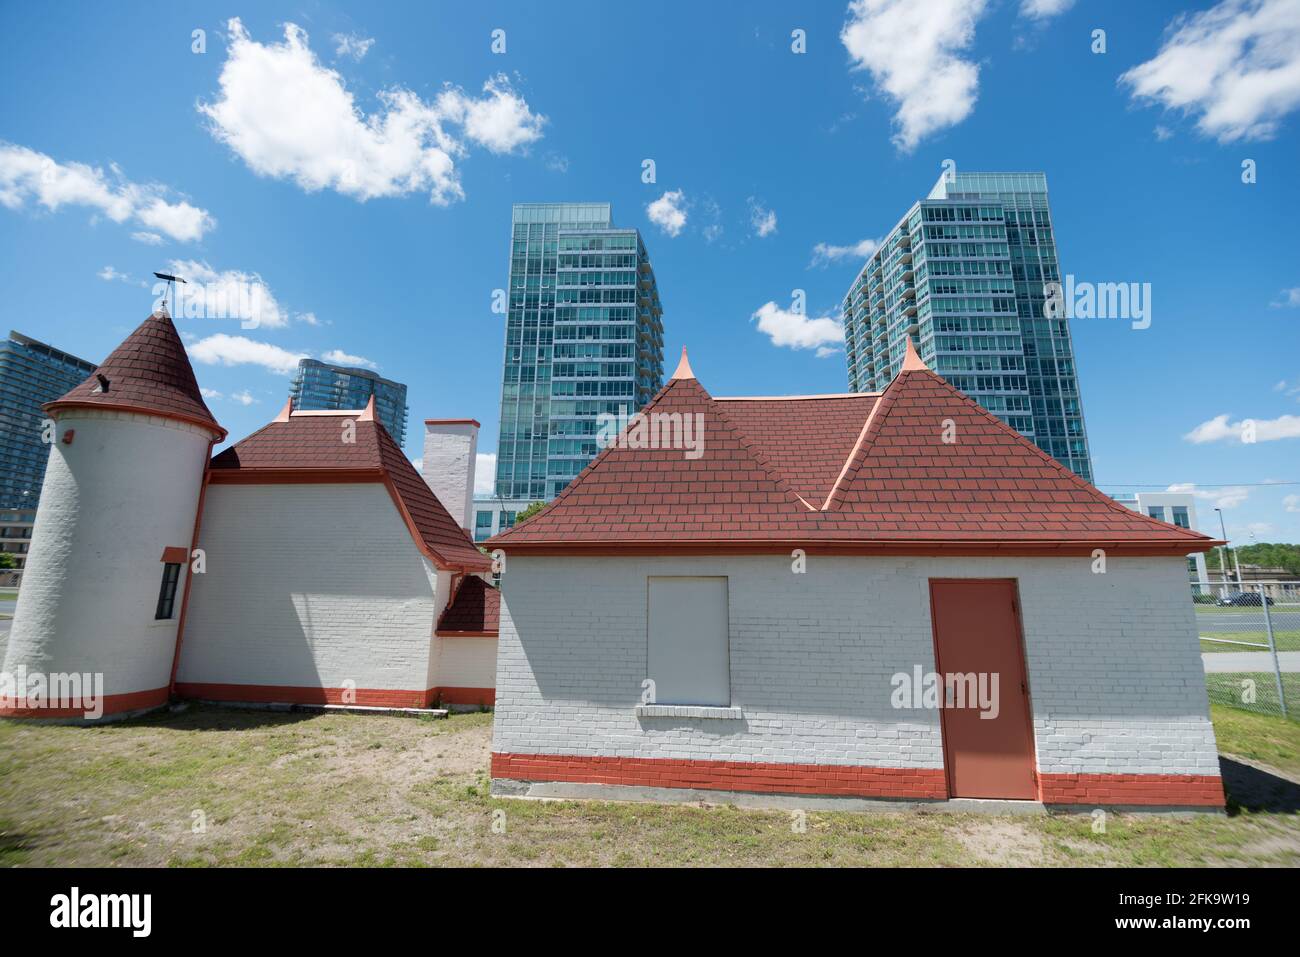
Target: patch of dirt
1002,843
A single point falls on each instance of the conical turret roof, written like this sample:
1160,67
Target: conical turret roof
149,372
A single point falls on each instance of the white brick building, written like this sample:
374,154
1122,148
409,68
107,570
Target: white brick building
308,563
756,618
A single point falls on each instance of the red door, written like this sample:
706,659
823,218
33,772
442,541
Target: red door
988,743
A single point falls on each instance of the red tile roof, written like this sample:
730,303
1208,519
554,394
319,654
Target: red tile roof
305,447
861,474
806,438
148,372
474,611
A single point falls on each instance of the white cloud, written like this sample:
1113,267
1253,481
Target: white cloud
352,45
1229,496
911,48
308,319
243,398
340,358
289,117
795,330
824,253
209,393
222,349
556,162
149,239
225,294
500,121
1287,298
1291,503
668,212
485,473
1219,429
109,274
1236,66
1044,9
26,175
762,219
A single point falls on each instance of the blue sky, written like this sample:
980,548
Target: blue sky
363,169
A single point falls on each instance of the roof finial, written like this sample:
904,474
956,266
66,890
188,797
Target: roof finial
368,413
911,359
684,367
286,411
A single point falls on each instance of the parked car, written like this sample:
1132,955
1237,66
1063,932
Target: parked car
1245,598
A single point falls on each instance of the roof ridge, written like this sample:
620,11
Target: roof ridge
870,430
750,446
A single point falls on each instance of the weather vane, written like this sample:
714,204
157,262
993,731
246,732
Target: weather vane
171,282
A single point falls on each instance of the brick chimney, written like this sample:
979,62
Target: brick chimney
450,447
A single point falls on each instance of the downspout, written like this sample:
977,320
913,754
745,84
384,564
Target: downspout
189,574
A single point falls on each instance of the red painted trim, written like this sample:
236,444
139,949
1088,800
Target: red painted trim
302,694
1090,790
210,425
189,571
396,496
1175,790
828,779
113,704
444,633
320,476
473,422
176,554
479,696
914,548
295,694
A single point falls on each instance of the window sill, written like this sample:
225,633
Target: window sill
687,711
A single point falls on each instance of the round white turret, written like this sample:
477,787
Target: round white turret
118,506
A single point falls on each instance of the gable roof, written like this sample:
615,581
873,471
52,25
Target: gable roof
149,372
307,447
473,612
862,474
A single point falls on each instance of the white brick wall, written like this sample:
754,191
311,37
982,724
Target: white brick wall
309,586
1114,669
465,662
125,489
450,449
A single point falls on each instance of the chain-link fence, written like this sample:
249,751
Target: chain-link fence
1250,644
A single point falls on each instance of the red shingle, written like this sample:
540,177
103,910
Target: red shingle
475,610
875,471
148,372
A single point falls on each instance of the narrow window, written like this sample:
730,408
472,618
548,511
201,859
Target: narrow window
688,654
167,593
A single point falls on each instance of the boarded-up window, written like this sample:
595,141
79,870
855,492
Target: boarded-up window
688,656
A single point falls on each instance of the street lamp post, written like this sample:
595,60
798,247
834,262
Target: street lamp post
1223,552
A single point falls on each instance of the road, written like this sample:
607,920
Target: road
1288,616
1229,661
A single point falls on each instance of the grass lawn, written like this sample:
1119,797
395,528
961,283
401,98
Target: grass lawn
1226,689
276,789
1288,640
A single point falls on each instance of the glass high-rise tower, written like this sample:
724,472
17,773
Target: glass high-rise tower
31,374
584,336
963,274
319,385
